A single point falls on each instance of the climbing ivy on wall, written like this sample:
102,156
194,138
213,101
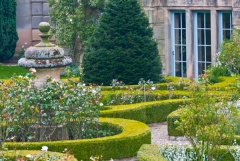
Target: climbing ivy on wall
8,31
73,22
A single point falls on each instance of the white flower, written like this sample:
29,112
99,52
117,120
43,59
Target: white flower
32,70
44,148
29,156
101,104
153,88
94,91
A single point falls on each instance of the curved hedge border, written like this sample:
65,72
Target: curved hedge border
146,112
125,144
172,131
12,154
151,153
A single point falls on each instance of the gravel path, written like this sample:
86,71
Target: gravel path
160,136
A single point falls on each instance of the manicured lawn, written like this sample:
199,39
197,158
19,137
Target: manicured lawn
7,72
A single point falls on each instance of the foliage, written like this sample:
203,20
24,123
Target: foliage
71,71
215,71
28,155
133,135
207,120
8,30
235,151
122,47
229,55
73,22
173,153
151,152
25,107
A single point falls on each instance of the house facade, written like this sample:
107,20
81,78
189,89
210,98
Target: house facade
188,32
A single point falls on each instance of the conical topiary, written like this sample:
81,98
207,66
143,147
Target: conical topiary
122,46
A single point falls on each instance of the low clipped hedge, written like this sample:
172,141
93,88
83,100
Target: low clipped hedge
146,112
172,127
17,154
171,119
125,144
149,152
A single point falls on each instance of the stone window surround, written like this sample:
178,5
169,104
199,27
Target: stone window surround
190,35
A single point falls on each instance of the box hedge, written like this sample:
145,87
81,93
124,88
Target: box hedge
146,112
125,144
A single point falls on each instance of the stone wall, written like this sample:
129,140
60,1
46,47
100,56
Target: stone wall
29,14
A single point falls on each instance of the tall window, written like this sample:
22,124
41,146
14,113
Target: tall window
202,41
178,34
225,25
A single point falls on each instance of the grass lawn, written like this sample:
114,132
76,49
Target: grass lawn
7,72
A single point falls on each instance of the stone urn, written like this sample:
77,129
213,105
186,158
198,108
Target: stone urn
48,59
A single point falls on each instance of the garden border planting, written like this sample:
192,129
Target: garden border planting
149,152
125,144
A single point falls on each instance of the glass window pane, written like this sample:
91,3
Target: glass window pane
226,20
178,69
227,34
208,20
201,40
184,70
208,54
177,36
183,20
207,65
184,55
201,68
208,37
201,53
184,36
200,20
177,20
177,53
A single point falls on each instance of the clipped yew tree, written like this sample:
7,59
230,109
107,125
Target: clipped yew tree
8,32
122,47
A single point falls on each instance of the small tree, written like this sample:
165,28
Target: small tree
73,23
8,32
122,46
207,121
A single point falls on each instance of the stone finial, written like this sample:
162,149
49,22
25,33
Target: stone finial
45,57
44,28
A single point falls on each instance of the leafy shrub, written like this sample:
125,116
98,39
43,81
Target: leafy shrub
25,107
206,122
71,71
214,72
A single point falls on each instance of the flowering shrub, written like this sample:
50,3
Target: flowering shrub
68,105
207,120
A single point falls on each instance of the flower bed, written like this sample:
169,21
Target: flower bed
125,144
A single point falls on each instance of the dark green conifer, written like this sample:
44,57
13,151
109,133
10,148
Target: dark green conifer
122,47
8,31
